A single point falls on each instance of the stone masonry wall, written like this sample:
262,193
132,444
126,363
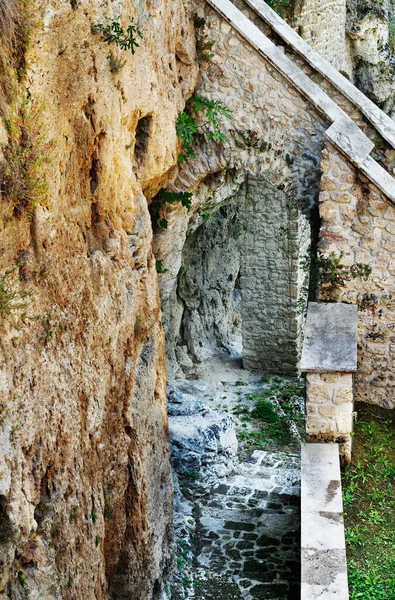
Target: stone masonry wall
275,233
329,408
323,25
288,128
358,221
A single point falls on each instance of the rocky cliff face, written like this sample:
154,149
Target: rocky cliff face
85,483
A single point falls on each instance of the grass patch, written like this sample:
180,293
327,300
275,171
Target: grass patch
274,416
369,501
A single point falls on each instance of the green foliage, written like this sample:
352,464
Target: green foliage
280,6
97,540
159,267
249,140
203,44
369,500
113,33
179,590
162,198
12,299
93,516
187,129
23,579
25,154
329,273
274,410
115,63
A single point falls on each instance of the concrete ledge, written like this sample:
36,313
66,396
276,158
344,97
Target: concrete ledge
330,342
324,567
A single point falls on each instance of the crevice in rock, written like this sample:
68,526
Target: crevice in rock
143,132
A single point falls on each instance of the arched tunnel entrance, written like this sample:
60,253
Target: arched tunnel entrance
243,283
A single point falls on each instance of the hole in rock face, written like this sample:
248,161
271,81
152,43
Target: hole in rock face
93,174
7,532
143,132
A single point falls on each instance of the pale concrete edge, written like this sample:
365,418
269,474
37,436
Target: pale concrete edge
377,174
324,567
382,122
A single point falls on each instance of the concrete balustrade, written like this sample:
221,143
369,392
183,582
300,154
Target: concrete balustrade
329,359
324,567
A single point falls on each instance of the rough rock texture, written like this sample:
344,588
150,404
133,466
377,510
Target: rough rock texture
371,29
85,482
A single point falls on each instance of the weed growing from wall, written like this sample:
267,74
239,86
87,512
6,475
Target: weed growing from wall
25,154
203,44
249,140
159,203
116,64
114,33
187,128
332,274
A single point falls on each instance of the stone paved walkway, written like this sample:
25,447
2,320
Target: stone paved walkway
247,535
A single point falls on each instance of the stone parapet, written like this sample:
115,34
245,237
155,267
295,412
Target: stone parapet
329,360
324,567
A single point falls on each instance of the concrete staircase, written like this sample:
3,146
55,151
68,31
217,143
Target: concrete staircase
345,132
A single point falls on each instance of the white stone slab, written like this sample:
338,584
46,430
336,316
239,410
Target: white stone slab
324,566
379,176
346,136
330,342
383,123
326,493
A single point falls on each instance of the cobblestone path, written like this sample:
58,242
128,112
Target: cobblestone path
247,538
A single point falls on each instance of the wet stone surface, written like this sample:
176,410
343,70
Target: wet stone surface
247,537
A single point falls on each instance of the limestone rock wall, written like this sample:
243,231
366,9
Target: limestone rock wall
85,482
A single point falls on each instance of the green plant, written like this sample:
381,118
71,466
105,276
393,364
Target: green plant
159,267
158,205
330,273
93,516
97,540
203,45
25,154
249,140
187,127
23,579
113,33
280,6
370,509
